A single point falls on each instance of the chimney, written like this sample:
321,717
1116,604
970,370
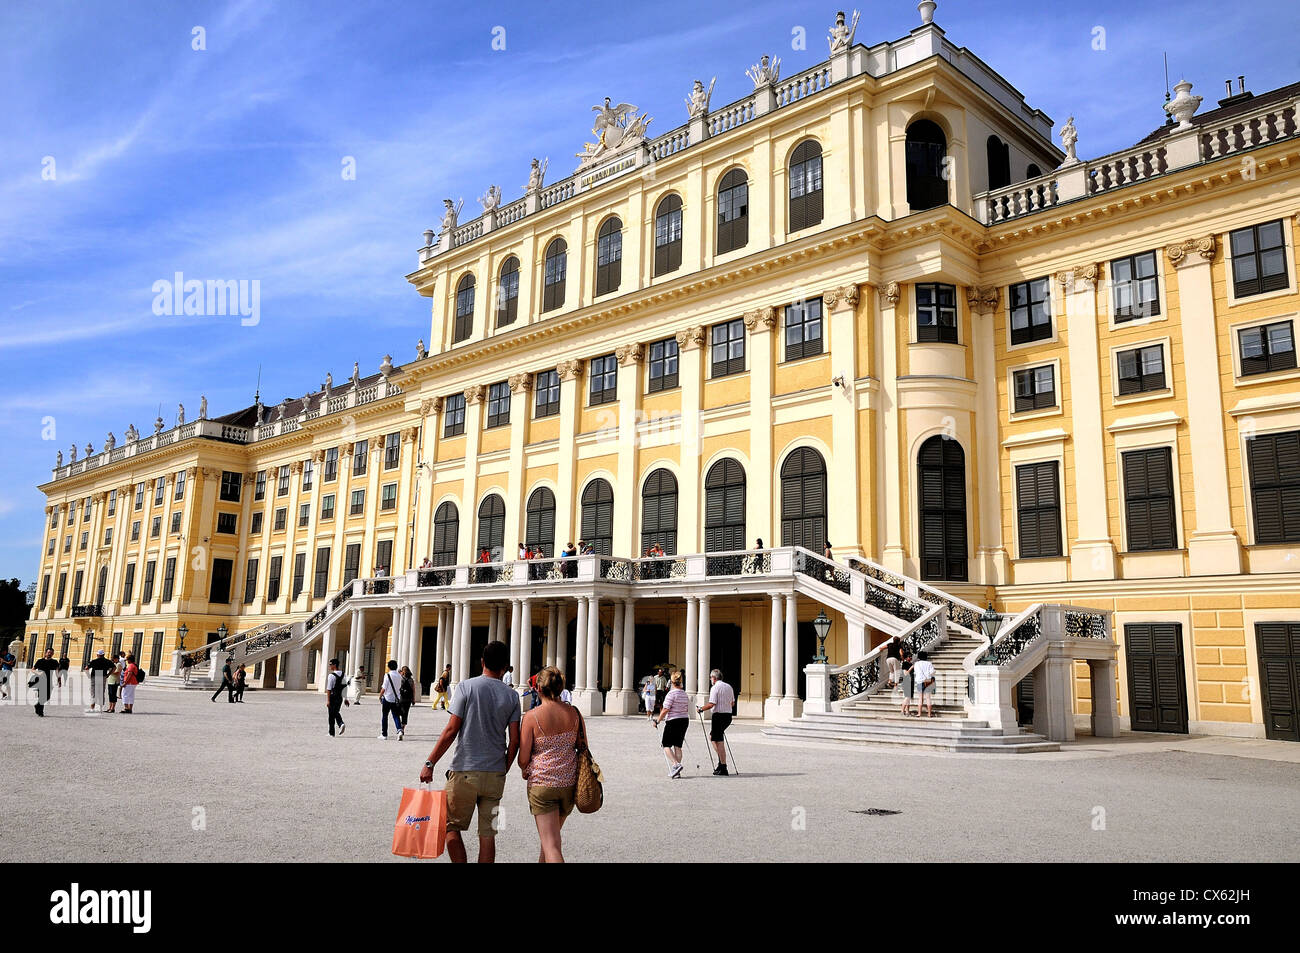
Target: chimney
1240,96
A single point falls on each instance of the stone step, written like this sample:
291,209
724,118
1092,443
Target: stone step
992,744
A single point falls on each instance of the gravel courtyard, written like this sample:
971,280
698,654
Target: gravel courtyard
262,781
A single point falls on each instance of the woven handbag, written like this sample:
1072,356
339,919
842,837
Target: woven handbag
590,793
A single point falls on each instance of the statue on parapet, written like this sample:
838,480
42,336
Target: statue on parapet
1069,138
697,103
450,213
491,200
841,34
765,72
180,414
536,175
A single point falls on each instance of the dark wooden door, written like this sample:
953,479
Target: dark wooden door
1279,677
941,483
1157,688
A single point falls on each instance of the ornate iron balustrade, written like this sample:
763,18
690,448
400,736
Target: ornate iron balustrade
1085,625
925,635
856,680
435,577
659,568
488,573
197,657
344,595
378,587
897,604
615,570
738,564
1008,645
961,613
548,570
823,570
89,610
274,637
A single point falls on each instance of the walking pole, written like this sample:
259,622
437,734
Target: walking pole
731,753
708,746
686,740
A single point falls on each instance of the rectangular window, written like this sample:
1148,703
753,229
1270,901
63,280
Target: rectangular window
1258,259
1141,369
1035,388
327,506
58,595
67,544
358,505
384,556
331,464
1038,509
299,572
1135,287
351,562
668,237
322,575
1273,461
308,472
112,502
547,386
54,517
1149,499
388,497
1031,311
257,524
150,571
498,404
250,581
936,313
231,484
176,522
259,488
226,522
49,550
85,510
803,329
169,578
180,485
273,579
281,519
128,584
360,457
727,355
663,365
76,588
135,531
304,514
72,512
223,571
1269,347
155,527
282,481
108,536
603,377
85,540
508,294
392,451
453,415
159,487
139,495
45,591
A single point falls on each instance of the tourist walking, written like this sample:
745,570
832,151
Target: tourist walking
7,661
908,680
99,670
407,697
227,682
483,712
648,697
130,679
661,689
241,682
893,660
923,677
676,712
65,679
548,759
390,701
440,688
334,700
358,685
114,683
46,672
508,678
722,701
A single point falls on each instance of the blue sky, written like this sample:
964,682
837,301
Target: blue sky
226,163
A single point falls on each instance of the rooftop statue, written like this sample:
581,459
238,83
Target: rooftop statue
697,103
110,441
180,414
616,128
58,460
765,73
536,175
1069,136
841,36
132,435
491,200
203,407
73,458
451,212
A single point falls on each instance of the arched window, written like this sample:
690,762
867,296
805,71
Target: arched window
598,516
926,150
491,527
508,292
806,185
609,256
557,267
733,211
999,160
803,500
668,235
446,531
724,507
539,527
1033,171
941,488
464,309
659,512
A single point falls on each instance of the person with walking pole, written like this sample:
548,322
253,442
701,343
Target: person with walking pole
675,713
722,700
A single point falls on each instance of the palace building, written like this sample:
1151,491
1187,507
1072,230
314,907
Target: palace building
870,307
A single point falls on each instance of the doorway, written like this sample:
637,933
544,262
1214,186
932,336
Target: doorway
1278,644
1157,687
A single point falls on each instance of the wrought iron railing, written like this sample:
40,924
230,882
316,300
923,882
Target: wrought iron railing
274,637
615,570
659,568
89,610
547,570
823,570
488,573
435,577
894,603
378,587
1013,640
1083,624
861,677
756,563
856,679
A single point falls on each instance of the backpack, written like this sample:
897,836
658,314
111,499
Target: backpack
407,693
139,675
336,693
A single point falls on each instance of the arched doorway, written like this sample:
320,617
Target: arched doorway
724,507
926,150
941,489
598,516
491,527
659,512
446,530
539,526
803,500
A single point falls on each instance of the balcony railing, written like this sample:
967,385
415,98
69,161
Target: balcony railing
91,610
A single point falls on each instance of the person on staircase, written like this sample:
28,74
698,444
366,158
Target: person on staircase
893,660
924,677
908,679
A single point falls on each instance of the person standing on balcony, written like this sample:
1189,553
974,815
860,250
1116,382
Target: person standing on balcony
893,661
227,682
334,700
45,671
722,699
99,671
440,688
676,711
390,702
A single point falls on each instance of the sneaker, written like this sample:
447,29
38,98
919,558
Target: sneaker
400,733
342,727
676,772
383,737
720,771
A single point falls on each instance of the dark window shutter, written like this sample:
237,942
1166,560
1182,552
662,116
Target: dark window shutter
1273,461
446,530
491,527
803,500
724,507
1149,500
941,480
659,511
539,526
598,516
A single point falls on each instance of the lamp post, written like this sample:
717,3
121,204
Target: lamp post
823,626
183,631
990,622
222,631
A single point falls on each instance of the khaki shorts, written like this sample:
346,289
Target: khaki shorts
544,800
468,791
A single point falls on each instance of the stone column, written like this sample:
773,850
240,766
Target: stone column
1053,694
842,476
761,323
628,698
703,653
416,650
692,645
355,641
466,623
326,652
396,632
474,398
616,665
453,643
580,648
552,631
593,643
562,638
1105,708
776,661
1092,555
629,407
525,640
791,700
587,697
440,646
1214,548
690,527
516,638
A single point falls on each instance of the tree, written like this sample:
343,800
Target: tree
13,610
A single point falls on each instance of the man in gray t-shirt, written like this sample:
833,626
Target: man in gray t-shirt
484,711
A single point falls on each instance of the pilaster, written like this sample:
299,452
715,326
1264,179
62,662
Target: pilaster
690,535
474,398
893,552
843,478
761,323
521,385
570,373
629,358
991,559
